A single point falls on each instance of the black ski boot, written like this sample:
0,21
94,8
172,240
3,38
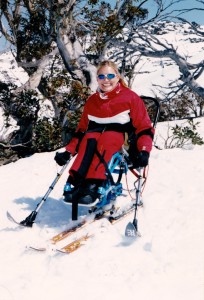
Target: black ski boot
70,188
89,194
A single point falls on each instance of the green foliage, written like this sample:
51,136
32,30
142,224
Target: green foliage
37,135
34,32
55,81
106,24
186,104
187,133
5,99
73,117
78,94
183,136
70,97
25,105
76,99
47,136
22,106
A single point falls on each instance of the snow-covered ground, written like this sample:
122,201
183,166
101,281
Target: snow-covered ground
166,262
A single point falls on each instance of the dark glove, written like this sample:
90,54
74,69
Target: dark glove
142,159
62,158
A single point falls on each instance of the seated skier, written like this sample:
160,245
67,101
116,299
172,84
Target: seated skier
108,113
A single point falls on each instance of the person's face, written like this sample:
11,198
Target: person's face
107,83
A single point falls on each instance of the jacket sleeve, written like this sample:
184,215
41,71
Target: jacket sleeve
72,147
141,121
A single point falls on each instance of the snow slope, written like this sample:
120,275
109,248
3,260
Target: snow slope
166,262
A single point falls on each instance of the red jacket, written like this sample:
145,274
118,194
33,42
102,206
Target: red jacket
116,108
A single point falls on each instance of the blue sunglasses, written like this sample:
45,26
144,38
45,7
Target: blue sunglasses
108,76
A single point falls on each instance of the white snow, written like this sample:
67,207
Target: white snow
10,71
6,131
166,262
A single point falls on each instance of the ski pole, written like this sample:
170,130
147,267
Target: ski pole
138,193
132,228
28,222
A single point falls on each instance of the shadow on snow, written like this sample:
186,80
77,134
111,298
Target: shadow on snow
53,212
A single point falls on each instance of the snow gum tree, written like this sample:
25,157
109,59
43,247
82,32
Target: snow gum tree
83,32
60,42
79,31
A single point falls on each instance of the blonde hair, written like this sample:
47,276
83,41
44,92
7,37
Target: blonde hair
113,65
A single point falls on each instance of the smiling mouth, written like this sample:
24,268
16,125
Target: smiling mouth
106,84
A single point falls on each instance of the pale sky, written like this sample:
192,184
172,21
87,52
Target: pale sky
191,16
